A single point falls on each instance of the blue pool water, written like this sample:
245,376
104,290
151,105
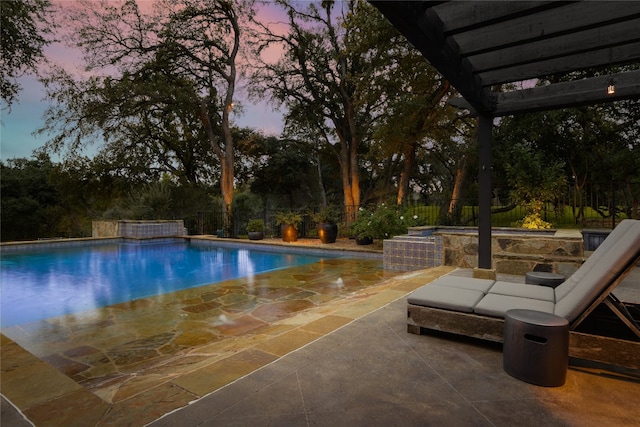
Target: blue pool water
39,285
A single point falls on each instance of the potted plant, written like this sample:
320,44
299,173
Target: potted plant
255,228
362,228
288,222
326,221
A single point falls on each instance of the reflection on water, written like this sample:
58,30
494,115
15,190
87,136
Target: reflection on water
40,285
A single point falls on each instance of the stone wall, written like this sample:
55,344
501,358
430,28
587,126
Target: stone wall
138,229
561,253
514,251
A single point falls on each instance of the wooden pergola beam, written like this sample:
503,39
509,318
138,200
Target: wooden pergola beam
581,61
424,29
550,24
573,93
559,48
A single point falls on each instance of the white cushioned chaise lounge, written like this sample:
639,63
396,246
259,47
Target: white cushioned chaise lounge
476,307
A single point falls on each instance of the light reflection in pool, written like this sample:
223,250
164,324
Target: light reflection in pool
40,285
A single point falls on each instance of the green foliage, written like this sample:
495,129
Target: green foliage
284,172
250,204
160,94
255,225
383,222
533,221
326,214
289,218
534,180
24,25
29,200
153,201
594,144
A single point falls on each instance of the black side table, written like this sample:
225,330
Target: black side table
543,278
536,347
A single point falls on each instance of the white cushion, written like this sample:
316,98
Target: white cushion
599,271
482,285
497,305
445,297
544,293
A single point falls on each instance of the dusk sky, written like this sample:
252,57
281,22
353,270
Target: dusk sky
26,114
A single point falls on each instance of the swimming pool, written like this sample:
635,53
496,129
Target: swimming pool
46,283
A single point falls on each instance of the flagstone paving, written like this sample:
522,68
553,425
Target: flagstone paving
131,363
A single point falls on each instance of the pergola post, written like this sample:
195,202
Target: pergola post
485,125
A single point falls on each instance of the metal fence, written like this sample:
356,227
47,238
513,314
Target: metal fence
213,223
593,206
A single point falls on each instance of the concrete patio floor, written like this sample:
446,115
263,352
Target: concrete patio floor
372,372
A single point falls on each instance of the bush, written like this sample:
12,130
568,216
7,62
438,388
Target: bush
255,225
325,215
289,218
382,223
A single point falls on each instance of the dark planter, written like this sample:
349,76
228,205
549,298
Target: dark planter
364,240
289,233
256,235
593,238
328,232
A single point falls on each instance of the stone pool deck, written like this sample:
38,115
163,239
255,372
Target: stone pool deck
131,363
342,361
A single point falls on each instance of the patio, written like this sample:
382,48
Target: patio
372,372
353,363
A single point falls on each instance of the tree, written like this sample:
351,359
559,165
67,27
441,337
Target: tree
284,171
316,80
23,28
596,144
534,181
168,85
29,200
355,86
407,96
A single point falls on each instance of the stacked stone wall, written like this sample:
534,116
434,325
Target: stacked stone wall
517,254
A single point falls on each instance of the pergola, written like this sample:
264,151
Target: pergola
480,45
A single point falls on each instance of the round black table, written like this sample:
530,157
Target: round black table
543,278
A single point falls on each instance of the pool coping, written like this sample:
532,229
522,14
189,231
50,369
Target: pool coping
302,246
280,246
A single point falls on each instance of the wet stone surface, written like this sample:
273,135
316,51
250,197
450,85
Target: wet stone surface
104,349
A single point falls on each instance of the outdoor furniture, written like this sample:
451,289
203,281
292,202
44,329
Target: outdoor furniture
543,278
476,308
536,347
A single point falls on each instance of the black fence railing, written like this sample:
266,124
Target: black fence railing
594,206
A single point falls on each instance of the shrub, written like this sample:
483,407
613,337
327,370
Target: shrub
382,223
255,225
289,218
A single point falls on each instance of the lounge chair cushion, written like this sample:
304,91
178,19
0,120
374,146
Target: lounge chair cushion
544,293
446,297
482,285
599,271
496,305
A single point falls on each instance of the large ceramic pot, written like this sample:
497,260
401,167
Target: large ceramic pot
289,233
364,240
256,235
328,232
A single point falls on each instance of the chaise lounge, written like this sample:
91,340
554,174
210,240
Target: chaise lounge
476,307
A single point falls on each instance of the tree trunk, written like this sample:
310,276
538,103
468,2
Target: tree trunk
323,193
457,187
407,170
